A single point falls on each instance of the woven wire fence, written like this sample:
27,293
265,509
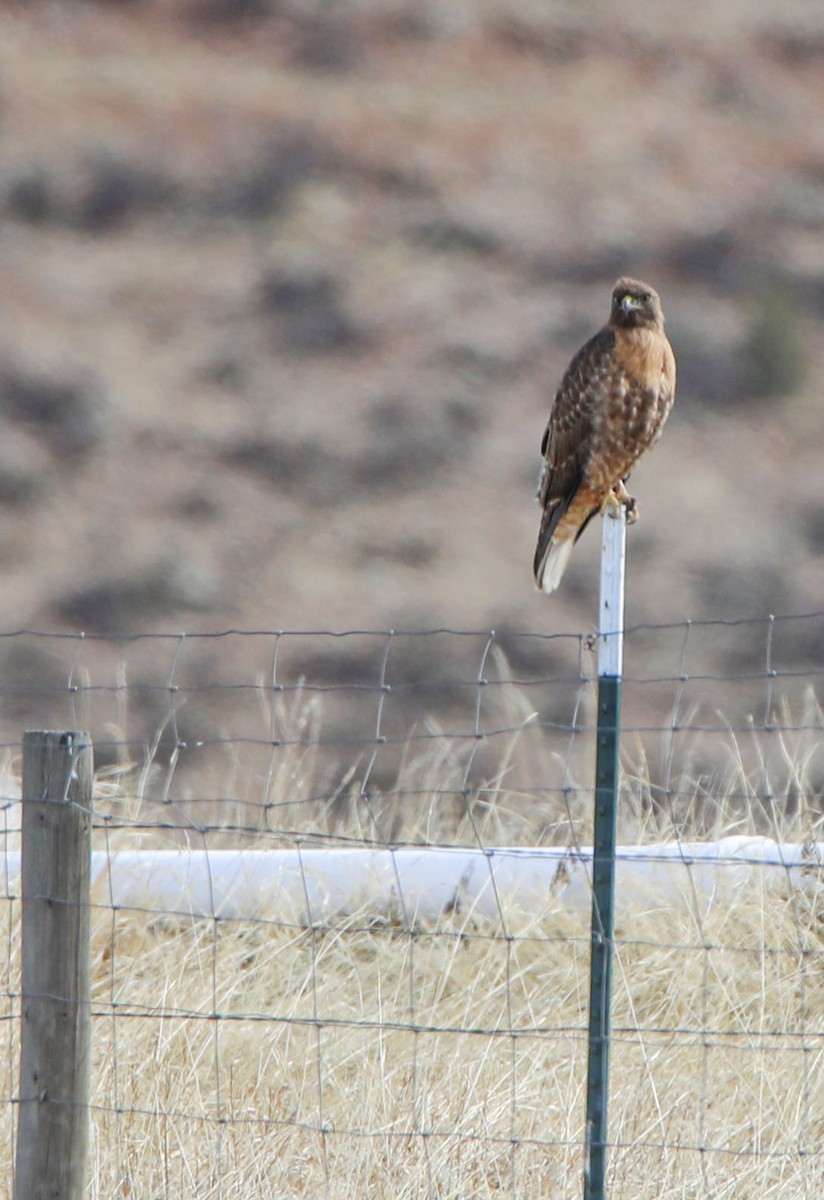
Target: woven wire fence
301,1037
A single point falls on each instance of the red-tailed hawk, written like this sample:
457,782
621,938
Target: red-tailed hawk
610,409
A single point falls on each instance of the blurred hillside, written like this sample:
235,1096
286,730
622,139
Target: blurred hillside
289,285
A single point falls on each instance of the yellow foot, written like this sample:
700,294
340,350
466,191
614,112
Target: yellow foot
620,498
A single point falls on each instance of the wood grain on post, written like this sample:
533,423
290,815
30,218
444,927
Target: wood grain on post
52,1129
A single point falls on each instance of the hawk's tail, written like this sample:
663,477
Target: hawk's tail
550,566
552,553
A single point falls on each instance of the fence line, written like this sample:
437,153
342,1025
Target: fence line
432,1042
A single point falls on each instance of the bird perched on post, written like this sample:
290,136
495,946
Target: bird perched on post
611,407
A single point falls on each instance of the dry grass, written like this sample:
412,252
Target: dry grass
268,1061
451,1062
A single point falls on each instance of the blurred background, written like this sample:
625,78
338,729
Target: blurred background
288,286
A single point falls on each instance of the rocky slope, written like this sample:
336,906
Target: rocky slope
288,287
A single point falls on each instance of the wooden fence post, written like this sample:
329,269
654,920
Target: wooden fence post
52,1129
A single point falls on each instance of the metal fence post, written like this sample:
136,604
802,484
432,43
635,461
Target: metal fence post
610,655
52,1129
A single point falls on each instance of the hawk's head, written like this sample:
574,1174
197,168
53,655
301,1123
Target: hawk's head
635,305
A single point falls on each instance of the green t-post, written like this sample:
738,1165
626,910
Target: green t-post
610,655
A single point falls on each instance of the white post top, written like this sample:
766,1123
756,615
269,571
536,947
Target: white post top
611,608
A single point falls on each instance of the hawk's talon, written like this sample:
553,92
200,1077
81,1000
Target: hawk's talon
621,497
612,505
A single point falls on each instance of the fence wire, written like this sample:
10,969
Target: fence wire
387,1049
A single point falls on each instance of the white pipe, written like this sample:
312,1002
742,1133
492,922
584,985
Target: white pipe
314,885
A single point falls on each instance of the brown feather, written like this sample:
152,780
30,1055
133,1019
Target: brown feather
614,399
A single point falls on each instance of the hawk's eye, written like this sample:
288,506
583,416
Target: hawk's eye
647,296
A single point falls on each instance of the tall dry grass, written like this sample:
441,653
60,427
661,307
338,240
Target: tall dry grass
265,1061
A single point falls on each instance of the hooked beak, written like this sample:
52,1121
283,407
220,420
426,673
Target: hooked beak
628,303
